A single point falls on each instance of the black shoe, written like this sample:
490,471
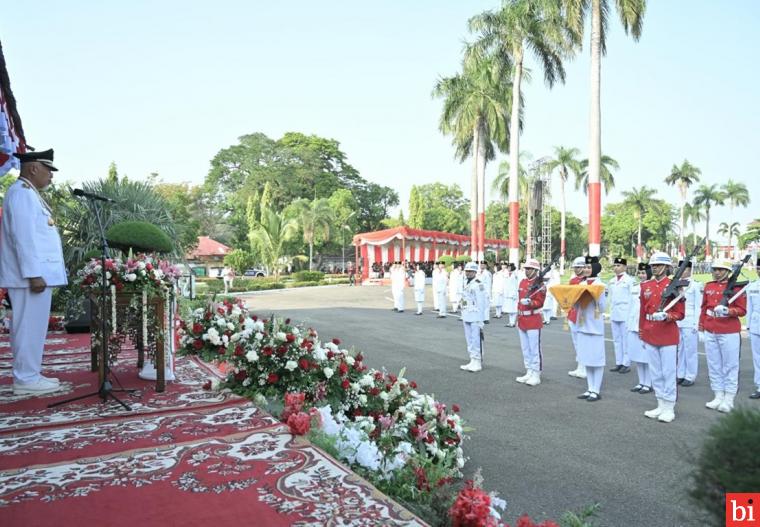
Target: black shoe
441,316
394,309
687,382
418,313
624,369
755,395
680,380
584,395
637,388
616,368
593,397
646,389
486,322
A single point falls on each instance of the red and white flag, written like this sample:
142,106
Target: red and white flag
11,133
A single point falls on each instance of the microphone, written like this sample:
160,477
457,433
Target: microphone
89,195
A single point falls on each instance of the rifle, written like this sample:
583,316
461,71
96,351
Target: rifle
538,281
482,339
736,271
671,291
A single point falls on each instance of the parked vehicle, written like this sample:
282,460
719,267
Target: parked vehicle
256,272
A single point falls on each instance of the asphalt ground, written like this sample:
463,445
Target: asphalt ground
540,448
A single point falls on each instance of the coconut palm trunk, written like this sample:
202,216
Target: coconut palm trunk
562,248
514,161
595,133
707,233
481,154
683,188
639,248
474,195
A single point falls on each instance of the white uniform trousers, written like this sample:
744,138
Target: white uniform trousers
398,299
722,350
472,338
688,360
594,376
498,300
618,338
436,296
574,338
530,342
487,307
512,319
755,342
662,366
442,302
31,313
645,376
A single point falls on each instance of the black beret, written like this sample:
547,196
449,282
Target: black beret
620,260
643,266
592,259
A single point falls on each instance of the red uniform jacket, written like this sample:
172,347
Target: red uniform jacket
572,315
663,333
712,296
529,317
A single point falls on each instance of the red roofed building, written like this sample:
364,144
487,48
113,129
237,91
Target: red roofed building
208,256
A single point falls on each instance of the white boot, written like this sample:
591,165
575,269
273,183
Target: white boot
468,365
534,379
654,414
475,365
728,403
668,412
712,405
525,377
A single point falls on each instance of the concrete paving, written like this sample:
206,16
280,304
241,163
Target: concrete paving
541,448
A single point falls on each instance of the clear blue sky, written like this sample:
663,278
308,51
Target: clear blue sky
163,86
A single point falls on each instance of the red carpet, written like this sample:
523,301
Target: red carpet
184,457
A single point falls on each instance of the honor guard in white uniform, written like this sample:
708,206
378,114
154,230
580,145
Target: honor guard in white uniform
549,311
497,289
456,281
485,277
31,264
398,277
688,360
473,299
633,344
441,286
419,288
579,265
511,286
753,324
436,272
589,330
619,296
532,296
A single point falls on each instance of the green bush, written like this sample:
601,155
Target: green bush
334,281
727,462
463,258
446,259
308,276
300,284
140,236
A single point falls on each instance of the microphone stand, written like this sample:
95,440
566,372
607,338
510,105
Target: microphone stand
106,388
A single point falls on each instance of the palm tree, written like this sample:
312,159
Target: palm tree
506,34
752,234
608,180
565,160
693,214
270,236
730,230
315,218
683,177
640,199
706,196
736,194
475,112
631,14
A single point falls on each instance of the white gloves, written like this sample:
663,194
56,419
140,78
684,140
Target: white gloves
659,316
480,324
526,301
721,311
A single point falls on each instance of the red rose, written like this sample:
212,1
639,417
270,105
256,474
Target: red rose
273,378
358,412
378,376
119,286
303,363
267,350
343,369
374,392
413,385
336,342
254,318
455,407
239,351
359,357
287,321
208,316
207,385
222,350
197,328
197,344
241,375
290,337
392,378
148,266
330,355
282,350
345,384
299,423
295,400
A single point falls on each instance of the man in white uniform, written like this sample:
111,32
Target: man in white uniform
549,310
688,360
398,277
473,300
440,286
497,289
753,324
511,285
485,277
419,288
31,264
455,287
619,292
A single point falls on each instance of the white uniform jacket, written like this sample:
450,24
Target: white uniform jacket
634,309
590,318
455,285
497,289
693,298
753,307
619,291
30,245
473,301
511,286
398,276
419,286
440,282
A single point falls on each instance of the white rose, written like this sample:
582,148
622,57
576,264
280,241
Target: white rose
259,336
350,360
331,346
131,277
247,381
384,395
296,332
355,387
280,336
367,380
362,399
291,365
108,274
319,354
230,326
141,265
252,356
258,325
328,372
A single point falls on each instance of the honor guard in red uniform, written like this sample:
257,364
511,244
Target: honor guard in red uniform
722,327
531,299
659,334
572,316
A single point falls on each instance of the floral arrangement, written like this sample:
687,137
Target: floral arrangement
4,307
209,330
143,272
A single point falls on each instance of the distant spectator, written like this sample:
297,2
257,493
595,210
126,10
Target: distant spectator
228,275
